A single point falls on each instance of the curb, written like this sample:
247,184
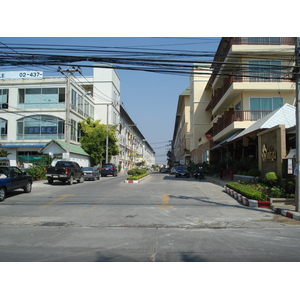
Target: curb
286,213
136,181
244,200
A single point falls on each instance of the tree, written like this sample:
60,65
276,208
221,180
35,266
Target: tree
4,153
93,140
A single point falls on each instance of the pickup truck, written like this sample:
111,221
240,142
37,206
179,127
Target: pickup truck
12,178
65,171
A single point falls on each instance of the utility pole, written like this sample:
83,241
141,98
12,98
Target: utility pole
297,75
68,106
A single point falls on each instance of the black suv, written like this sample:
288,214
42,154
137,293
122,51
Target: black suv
109,169
182,171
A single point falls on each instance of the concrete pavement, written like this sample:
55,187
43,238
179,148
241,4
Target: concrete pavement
286,210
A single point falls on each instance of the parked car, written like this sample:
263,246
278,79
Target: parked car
65,171
91,173
109,169
12,178
182,171
173,170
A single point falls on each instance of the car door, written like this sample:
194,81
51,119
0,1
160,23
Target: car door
18,178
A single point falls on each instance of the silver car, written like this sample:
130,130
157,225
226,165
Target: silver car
91,173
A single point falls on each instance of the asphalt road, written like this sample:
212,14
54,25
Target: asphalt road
162,219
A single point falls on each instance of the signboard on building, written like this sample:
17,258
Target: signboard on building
21,75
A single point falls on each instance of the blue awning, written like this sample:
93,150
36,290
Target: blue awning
22,145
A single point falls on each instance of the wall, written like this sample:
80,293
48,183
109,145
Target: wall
271,150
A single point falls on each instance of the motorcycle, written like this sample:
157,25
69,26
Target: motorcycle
199,174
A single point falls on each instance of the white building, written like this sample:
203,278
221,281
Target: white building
34,109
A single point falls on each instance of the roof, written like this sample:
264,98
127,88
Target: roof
285,115
76,149
22,145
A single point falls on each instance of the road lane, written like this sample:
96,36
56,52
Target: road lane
162,219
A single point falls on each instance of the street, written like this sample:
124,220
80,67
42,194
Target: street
162,219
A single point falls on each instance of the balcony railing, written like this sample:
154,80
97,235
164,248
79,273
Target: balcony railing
238,115
261,77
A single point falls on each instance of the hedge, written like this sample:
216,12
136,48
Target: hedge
246,191
137,177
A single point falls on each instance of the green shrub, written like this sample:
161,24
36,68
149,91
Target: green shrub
253,172
247,191
37,172
271,178
137,177
136,171
276,192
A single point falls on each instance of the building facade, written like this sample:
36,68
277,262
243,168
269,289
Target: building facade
35,109
250,78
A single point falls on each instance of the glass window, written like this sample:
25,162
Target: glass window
40,127
3,128
261,106
264,40
61,97
3,96
264,70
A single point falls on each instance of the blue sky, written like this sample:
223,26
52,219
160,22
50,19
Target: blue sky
149,98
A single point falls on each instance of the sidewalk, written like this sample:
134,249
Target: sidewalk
286,210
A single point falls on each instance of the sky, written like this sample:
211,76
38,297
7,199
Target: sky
149,98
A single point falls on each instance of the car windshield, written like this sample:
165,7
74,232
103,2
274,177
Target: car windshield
107,166
181,168
87,169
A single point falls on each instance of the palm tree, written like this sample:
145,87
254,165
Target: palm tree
4,153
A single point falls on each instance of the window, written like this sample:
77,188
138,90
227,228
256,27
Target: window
40,127
264,70
73,99
258,105
73,130
3,128
3,96
41,96
264,40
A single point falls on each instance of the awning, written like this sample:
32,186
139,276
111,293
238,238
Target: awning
226,141
22,145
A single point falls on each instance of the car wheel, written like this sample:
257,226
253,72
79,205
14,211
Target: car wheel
28,187
71,180
81,179
2,194
50,180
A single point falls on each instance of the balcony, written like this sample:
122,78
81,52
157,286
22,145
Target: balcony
238,116
242,78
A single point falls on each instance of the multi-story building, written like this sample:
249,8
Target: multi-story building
181,135
35,109
132,144
251,77
200,120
